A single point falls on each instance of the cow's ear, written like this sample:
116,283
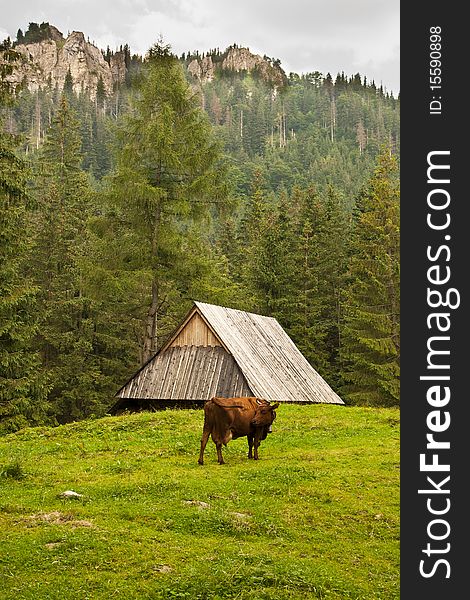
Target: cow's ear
275,405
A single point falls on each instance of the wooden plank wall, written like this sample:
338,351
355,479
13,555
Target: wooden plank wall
188,373
196,333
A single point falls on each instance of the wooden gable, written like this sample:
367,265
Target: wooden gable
194,331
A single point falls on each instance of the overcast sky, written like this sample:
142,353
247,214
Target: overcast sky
306,35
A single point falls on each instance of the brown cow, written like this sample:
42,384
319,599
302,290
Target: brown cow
226,419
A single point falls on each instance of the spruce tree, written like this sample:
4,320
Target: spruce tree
321,233
23,388
68,86
271,261
165,180
245,246
329,242
67,335
100,96
371,332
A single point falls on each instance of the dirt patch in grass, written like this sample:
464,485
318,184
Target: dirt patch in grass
197,503
241,516
58,518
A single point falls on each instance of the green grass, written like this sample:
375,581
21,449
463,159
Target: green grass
316,517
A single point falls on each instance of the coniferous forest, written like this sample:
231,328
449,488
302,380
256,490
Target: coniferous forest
118,209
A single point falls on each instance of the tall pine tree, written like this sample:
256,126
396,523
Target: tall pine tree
165,180
321,231
23,389
371,333
67,335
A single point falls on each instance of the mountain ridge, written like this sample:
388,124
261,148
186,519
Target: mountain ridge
46,61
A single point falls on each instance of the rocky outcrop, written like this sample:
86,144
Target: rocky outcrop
202,69
118,67
47,63
238,60
55,34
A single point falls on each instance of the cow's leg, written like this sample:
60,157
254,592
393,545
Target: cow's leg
218,445
257,442
250,445
205,436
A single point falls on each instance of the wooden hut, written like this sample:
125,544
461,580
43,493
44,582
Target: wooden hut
218,351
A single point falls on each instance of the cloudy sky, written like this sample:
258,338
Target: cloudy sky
306,35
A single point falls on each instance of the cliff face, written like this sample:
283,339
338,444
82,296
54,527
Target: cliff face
238,60
202,69
49,61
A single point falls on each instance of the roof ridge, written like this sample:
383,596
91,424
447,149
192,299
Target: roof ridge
238,310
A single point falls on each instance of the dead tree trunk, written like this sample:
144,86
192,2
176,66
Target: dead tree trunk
332,119
150,341
151,326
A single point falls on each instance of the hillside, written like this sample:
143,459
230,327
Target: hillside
296,129
316,517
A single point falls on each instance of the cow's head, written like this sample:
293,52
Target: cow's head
265,415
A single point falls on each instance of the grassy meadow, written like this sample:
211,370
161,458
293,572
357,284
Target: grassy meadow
316,517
